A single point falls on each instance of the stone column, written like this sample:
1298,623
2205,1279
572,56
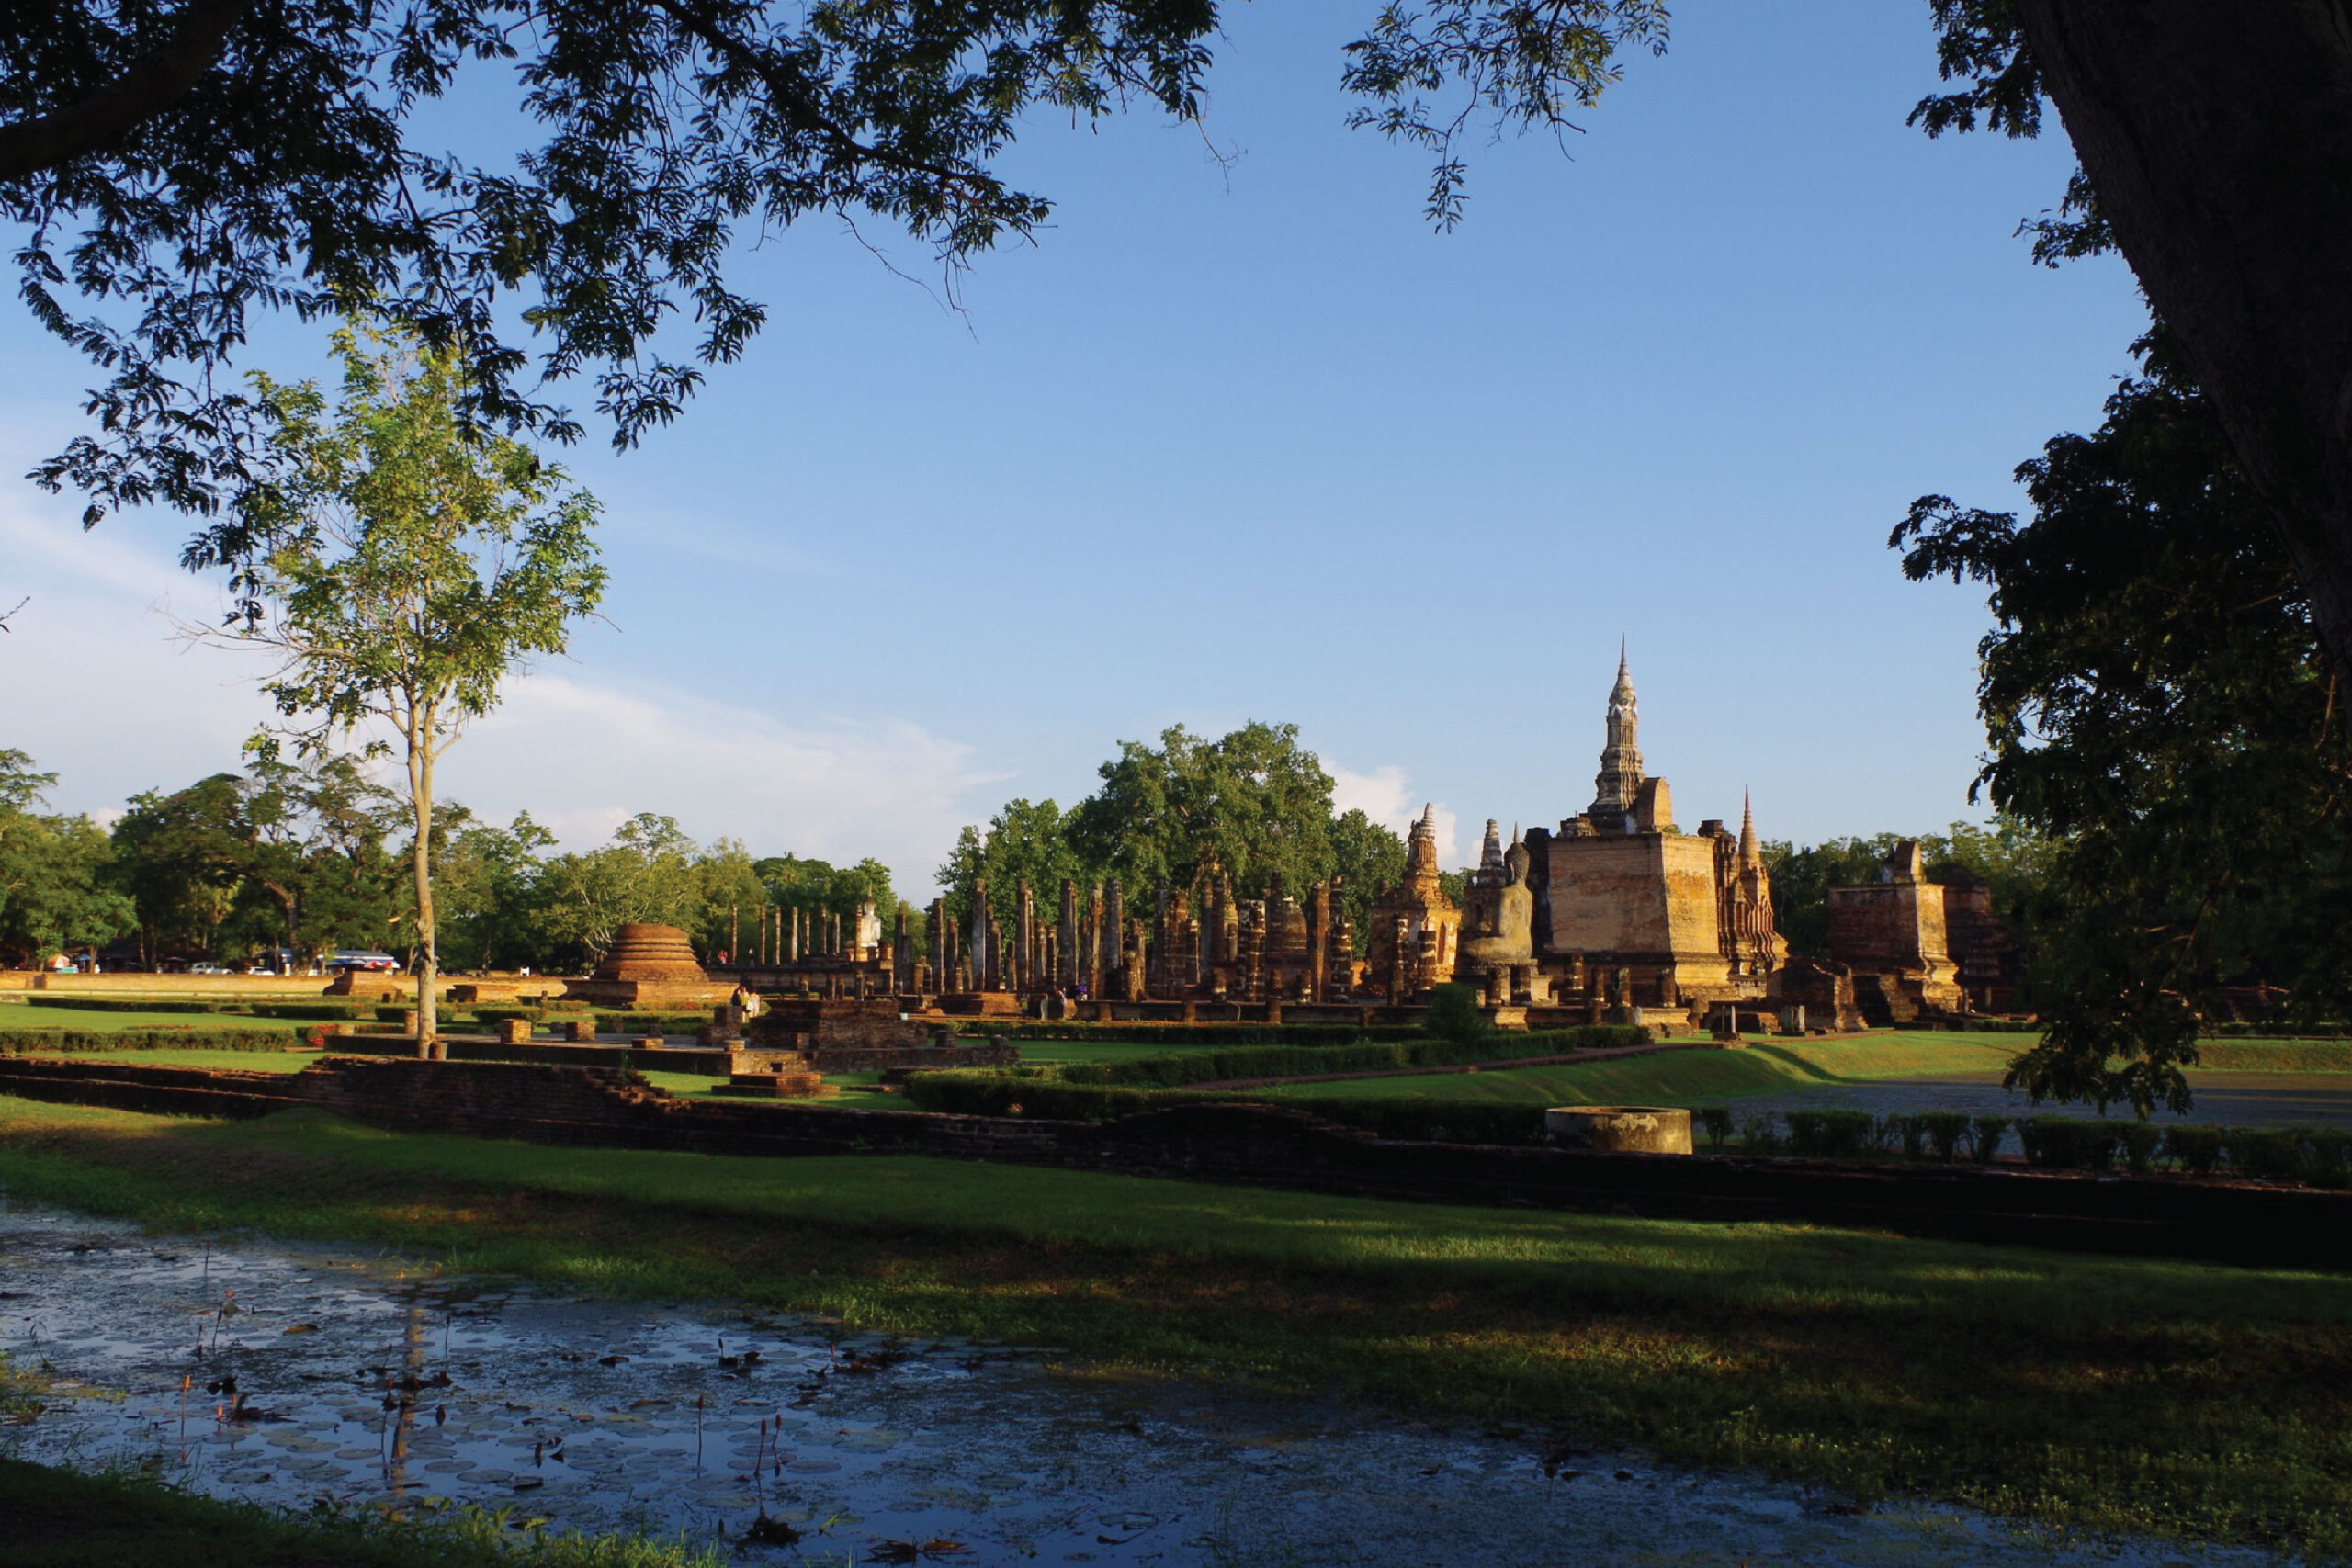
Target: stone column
1339,965
1066,948
1318,937
1094,936
1025,938
1253,953
1115,923
936,931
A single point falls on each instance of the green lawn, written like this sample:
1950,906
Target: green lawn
1701,1076
1772,1066
2099,1393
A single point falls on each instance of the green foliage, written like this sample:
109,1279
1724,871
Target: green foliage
276,164
1026,840
2194,1147
1454,1015
487,890
53,1042
1715,1122
1366,857
1945,1131
2066,1143
54,891
136,1004
1252,803
1984,1135
404,564
2156,708
1188,1034
1829,1135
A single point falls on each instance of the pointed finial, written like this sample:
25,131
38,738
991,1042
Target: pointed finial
1748,855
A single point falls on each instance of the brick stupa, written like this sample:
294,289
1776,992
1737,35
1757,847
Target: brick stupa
649,966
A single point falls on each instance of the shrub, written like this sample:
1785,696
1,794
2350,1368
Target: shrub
1906,1131
2140,1142
1715,1122
51,1041
1454,1015
1945,1131
2194,1147
322,1012
2331,1155
135,1004
1830,1134
1758,1134
2265,1154
1985,1138
2067,1142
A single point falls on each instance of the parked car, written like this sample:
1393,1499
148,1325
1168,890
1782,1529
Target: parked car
360,959
207,969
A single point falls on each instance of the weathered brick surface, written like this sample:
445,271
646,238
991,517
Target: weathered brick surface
1258,1146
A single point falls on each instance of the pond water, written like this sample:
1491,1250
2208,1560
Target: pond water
286,1375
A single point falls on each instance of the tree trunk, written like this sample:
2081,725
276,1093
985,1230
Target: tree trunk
428,965
2219,138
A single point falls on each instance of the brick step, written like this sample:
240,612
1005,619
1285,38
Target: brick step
778,1086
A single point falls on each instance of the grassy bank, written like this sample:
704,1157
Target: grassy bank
1714,1077
57,1519
2103,1393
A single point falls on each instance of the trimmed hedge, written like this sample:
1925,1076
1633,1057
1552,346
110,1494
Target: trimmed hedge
1180,1068
316,1012
1428,1121
135,1004
1190,1033
48,1041
1028,1092
650,1022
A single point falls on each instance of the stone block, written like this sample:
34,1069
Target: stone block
1618,1129
514,1031
578,1030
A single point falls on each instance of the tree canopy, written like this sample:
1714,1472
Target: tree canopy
403,567
54,891
2158,706
179,165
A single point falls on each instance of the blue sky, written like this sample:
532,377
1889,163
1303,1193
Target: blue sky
1250,440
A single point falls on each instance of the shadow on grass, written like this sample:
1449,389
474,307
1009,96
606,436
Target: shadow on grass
2115,1394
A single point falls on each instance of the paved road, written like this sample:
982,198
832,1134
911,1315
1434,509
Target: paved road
2241,1100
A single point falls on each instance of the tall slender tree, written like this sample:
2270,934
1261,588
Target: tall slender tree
405,565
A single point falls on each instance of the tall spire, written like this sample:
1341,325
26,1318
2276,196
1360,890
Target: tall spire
1490,853
1748,855
1620,779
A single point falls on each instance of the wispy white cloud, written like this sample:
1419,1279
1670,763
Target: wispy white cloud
106,693
1387,796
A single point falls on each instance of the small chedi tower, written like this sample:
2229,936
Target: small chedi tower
1629,910
1415,929
650,965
